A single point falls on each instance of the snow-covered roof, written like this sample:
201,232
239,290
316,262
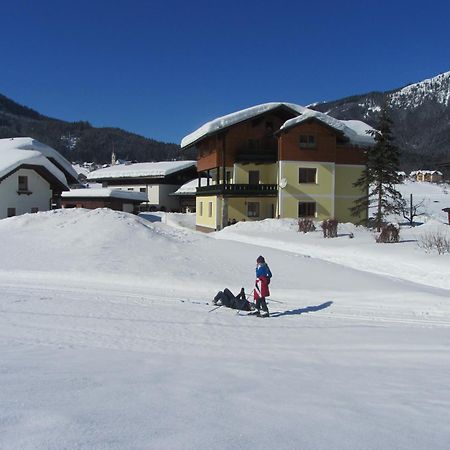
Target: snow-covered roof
13,158
105,193
190,187
80,170
234,118
27,143
354,130
141,170
359,127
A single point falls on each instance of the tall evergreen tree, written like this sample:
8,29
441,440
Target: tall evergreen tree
379,178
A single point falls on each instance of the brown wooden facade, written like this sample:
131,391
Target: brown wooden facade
330,145
249,141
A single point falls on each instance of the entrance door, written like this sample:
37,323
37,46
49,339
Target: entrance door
253,177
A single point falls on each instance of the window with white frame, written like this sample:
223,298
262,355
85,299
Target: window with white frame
253,209
307,209
307,175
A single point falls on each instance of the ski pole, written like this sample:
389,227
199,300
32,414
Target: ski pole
272,300
267,299
217,307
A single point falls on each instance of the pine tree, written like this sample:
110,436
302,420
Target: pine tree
380,175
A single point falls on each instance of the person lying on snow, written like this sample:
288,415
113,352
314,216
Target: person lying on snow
228,299
261,291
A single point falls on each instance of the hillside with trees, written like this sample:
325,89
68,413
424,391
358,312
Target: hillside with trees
80,141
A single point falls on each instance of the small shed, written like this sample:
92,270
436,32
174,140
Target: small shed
447,210
119,200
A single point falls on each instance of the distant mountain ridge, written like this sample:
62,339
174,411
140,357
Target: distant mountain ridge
420,112
80,141
421,116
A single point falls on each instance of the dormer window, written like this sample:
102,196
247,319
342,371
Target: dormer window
307,141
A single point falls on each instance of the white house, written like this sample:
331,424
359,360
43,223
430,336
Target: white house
29,180
156,179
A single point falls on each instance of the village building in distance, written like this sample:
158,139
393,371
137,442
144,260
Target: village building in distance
157,180
278,160
431,176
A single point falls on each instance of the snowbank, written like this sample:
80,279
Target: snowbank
405,260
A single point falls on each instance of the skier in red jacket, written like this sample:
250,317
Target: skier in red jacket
261,291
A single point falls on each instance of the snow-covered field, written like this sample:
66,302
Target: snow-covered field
107,340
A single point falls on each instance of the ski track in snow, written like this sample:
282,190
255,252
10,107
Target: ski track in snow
200,387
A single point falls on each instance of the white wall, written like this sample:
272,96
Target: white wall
170,202
152,193
40,196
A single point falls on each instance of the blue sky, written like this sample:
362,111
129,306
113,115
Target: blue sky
163,68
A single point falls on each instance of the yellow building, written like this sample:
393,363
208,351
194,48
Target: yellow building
277,160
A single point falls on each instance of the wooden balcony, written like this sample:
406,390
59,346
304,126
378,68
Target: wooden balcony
240,190
258,151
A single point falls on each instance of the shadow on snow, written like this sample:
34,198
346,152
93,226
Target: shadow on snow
308,309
